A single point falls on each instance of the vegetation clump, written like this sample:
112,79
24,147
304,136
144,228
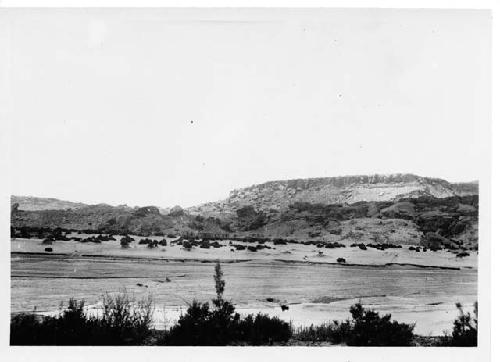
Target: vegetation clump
279,241
464,329
334,332
95,239
334,245
125,241
368,328
122,322
220,325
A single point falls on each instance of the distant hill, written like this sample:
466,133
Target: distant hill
466,188
31,203
399,209
278,195
415,221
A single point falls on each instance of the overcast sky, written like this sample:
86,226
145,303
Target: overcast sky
179,107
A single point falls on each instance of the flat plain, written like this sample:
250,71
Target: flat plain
419,288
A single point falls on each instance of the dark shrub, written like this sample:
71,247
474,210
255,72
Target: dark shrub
220,325
27,329
340,260
152,243
201,326
279,242
263,330
193,328
465,328
125,241
120,324
127,321
48,250
362,246
215,244
333,332
369,329
334,245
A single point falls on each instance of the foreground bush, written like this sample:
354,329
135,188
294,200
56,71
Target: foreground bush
220,325
370,329
366,328
334,332
464,329
122,323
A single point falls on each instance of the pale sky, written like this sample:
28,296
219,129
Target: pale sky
168,107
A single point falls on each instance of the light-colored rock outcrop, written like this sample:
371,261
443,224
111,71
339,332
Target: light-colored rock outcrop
334,190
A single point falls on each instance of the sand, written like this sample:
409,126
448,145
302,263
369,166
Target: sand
290,252
315,291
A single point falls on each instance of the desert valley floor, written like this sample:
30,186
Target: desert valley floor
420,288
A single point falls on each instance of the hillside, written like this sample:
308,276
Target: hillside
31,203
466,188
395,209
278,195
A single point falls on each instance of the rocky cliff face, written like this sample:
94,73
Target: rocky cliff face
278,195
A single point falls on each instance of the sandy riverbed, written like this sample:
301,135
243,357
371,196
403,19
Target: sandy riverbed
290,252
316,291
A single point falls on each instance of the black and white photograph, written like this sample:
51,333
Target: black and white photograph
240,177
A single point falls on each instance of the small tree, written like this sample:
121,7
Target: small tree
220,325
203,326
220,284
223,315
465,328
125,241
